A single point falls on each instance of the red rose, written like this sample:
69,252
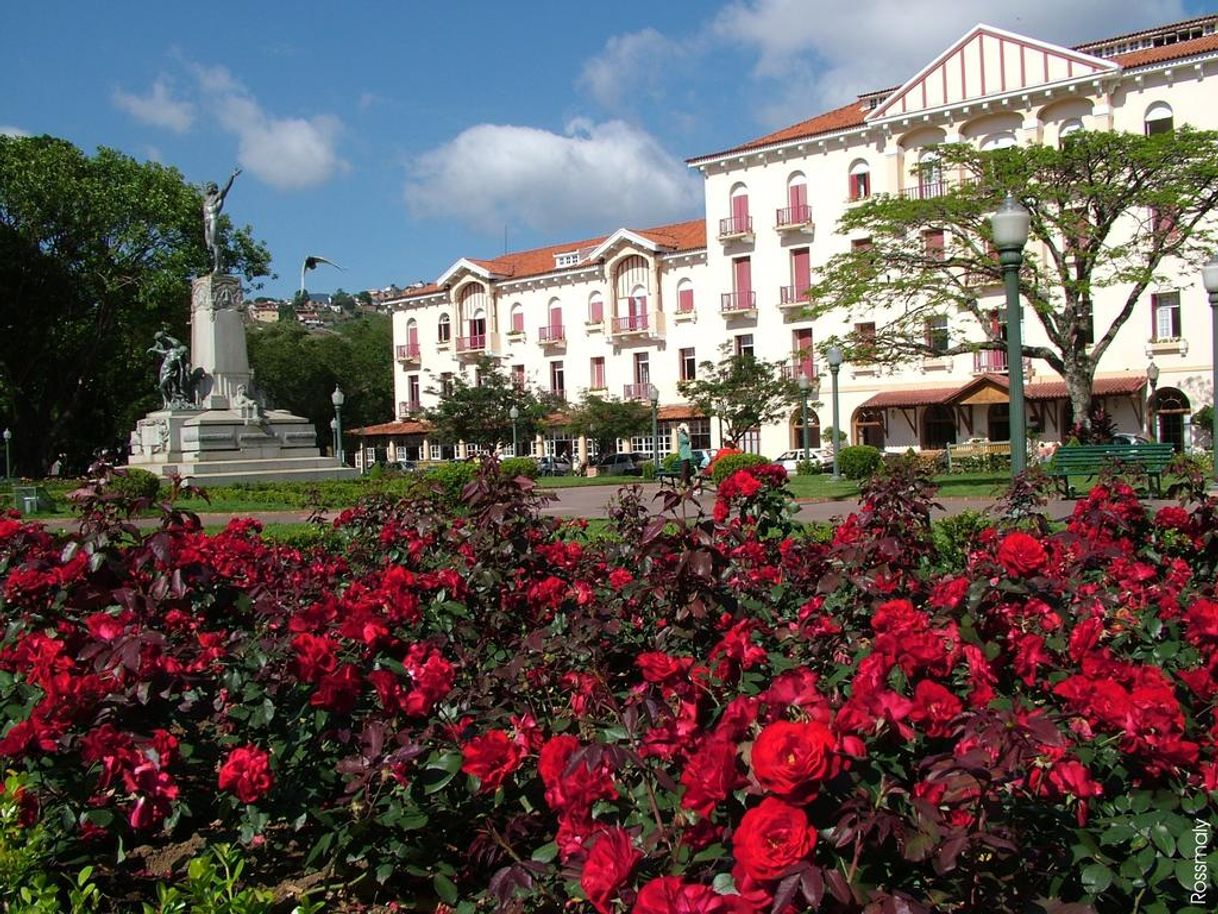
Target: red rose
934,708
1201,622
770,838
710,776
607,868
790,760
491,758
670,895
315,656
658,666
247,773
1021,554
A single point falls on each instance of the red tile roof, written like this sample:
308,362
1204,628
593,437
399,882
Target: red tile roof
852,114
847,116
1179,49
1035,390
677,237
408,427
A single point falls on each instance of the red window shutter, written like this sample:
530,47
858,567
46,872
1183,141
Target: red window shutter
744,276
801,271
740,211
685,300
798,198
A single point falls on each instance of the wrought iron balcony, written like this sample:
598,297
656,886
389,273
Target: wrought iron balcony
793,218
733,303
735,228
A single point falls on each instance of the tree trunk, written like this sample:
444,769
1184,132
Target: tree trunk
1078,388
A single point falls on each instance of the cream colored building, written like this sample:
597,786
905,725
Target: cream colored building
640,307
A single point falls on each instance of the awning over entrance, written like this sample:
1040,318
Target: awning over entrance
992,388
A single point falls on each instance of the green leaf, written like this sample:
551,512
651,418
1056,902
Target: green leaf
1096,878
444,888
1163,839
546,852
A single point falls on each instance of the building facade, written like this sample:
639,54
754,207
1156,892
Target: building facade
642,307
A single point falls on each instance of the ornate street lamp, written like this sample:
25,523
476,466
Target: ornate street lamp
804,383
8,460
654,396
338,400
1010,227
515,414
1152,376
835,358
334,437
1209,278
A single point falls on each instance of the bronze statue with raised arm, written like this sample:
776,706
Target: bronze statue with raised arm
213,203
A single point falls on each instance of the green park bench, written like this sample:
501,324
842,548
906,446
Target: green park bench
1089,459
30,499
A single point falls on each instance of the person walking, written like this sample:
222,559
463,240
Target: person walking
684,453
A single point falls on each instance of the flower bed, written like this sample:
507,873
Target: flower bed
481,708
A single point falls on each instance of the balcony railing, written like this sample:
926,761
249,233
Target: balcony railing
792,297
989,361
551,334
631,323
793,217
735,227
636,391
737,302
471,343
800,366
408,408
408,352
559,393
926,190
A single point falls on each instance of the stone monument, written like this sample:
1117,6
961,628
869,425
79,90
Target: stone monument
210,430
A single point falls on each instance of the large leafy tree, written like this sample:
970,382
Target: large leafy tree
605,420
478,411
1108,211
297,370
96,254
744,391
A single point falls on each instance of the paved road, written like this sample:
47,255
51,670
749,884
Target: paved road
593,501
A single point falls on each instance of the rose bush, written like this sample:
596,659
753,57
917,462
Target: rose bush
474,705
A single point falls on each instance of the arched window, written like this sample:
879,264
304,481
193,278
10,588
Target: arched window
631,278
444,329
596,308
739,222
1170,407
1069,128
930,175
685,297
1000,140
517,318
797,429
797,211
1159,119
869,427
860,180
553,329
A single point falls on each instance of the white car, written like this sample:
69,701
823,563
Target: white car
789,460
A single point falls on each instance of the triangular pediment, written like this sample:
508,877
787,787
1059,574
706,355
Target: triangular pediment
986,62
623,237
982,391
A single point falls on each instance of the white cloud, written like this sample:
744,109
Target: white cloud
9,130
630,63
592,175
287,153
822,56
157,108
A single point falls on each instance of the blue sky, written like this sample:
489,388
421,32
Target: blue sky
395,137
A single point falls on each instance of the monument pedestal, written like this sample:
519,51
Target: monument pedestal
226,436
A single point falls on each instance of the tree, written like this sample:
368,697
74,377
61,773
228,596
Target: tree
364,298
298,370
343,300
1108,210
604,420
480,412
95,256
745,392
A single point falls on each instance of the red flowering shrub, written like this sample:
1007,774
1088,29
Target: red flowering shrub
695,714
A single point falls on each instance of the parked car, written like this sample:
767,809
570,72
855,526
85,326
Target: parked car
553,466
1129,438
789,460
620,464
